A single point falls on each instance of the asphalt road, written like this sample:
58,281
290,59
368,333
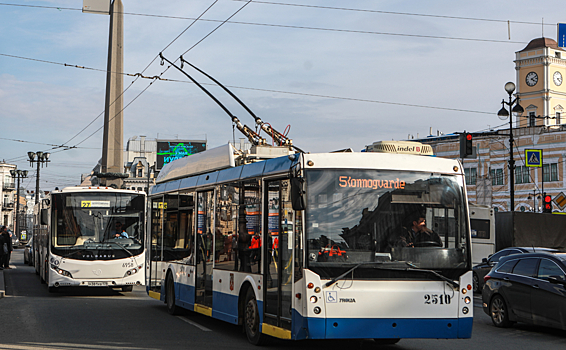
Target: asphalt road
99,319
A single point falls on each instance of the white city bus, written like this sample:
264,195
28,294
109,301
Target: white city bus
482,222
78,240
308,246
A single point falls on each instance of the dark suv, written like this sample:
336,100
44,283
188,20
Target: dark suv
527,288
481,269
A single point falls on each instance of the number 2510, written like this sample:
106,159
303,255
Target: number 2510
436,299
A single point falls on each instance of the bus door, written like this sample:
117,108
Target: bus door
204,245
278,253
155,243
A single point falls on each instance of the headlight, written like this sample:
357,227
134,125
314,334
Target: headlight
314,299
61,271
132,271
317,310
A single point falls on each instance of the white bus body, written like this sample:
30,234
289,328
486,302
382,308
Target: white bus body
307,246
76,243
482,222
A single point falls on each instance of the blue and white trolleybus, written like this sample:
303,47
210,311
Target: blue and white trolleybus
315,246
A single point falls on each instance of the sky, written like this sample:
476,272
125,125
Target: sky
335,74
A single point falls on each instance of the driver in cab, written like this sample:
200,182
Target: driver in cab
120,232
418,235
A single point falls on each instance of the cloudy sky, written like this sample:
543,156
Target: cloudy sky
337,73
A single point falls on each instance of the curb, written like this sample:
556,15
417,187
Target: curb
2,289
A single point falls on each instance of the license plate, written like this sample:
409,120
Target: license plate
97,284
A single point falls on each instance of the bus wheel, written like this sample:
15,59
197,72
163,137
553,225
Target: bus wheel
251,319
127,288
172,308
386,341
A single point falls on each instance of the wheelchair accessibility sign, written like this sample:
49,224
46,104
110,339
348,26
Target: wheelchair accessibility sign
331,297
533,158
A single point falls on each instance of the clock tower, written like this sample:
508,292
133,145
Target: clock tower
541,71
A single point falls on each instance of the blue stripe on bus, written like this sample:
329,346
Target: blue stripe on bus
225,307
363,328
186,293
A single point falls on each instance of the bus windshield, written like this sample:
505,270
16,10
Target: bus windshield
97,226
385,219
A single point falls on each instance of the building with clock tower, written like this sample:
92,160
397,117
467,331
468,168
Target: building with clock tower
541,70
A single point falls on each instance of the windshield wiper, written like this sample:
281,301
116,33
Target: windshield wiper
121,246
412,268
444,278
332,281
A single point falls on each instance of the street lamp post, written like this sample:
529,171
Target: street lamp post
514,107
18,174
535,208
41,158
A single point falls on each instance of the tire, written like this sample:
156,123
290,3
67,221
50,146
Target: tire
172,308
386,341
476,283
127,288
499,312
251,319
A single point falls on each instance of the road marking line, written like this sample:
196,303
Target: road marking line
203,328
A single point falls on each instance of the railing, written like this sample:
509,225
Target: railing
9,186
8,205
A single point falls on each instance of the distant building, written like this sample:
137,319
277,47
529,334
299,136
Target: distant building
7,195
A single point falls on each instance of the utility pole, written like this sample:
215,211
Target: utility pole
112,143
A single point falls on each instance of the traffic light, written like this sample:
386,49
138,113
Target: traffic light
466,147
546,203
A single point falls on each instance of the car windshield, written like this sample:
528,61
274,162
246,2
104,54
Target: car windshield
386,218
87,223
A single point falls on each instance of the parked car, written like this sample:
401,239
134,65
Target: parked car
28,252
481,269
529,288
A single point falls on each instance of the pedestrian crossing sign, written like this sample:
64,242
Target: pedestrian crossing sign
533,158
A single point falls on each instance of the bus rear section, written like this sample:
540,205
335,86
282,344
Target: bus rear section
93,238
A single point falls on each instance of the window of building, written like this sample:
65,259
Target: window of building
532,119
557,54
471,175
140,172
558,118
550,172
496,176
522,175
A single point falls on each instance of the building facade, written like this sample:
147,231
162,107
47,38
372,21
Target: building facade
487,176
7,195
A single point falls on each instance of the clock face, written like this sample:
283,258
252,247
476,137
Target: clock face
532,79
557,77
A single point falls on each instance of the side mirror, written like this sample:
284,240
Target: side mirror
484,260
44,217
297,199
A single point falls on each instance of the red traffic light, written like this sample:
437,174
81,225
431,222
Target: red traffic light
469,137
547,199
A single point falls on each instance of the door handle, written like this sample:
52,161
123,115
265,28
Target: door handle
535,286
506,279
